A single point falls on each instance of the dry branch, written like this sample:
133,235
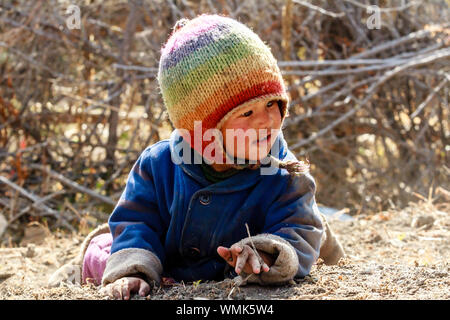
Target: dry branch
73,184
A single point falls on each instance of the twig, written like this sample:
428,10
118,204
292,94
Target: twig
239,282
313,296
33,62
86,45
95,102
338,62
401,8
387,233
30,196
440,54
35,204
261,261
231,291
324,89
430,96
320,10
443,192
48,211
393,43
67,203
341,72
134,68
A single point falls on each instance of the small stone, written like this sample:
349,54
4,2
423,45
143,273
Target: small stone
31,251
366,272
423,220
438,274
374,238
320,290
34,233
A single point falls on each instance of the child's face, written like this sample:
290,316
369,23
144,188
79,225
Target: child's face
250,133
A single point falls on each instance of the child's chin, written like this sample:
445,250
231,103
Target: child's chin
257,156
254,154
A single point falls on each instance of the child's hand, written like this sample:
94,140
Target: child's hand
245,259
121,288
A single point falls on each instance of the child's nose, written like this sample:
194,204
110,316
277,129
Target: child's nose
264,119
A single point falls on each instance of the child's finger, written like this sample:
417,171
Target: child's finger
241,261
236,249
144,289
125,291
107,291
225,253
254,262
117,291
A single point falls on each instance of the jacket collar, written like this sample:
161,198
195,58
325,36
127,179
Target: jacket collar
189,159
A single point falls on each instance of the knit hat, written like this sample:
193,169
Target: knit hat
212,66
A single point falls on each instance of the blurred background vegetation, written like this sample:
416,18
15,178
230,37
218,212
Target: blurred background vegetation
77,106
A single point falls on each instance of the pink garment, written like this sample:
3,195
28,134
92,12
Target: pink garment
95,258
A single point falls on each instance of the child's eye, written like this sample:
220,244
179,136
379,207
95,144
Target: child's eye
247,114
270,103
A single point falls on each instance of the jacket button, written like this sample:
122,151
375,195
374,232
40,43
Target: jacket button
205,199
194,252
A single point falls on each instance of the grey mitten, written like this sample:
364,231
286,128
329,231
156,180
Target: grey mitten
286,261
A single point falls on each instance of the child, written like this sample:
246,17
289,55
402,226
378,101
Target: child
189,200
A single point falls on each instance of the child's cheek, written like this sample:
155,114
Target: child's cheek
243,146
236,144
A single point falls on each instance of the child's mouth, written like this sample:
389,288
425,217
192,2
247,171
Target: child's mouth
264,139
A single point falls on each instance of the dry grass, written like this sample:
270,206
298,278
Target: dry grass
388,257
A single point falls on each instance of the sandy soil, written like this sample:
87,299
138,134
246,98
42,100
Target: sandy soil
395,254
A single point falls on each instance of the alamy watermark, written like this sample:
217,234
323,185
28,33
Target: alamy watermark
374,20
73,21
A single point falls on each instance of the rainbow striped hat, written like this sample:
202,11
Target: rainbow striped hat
210,67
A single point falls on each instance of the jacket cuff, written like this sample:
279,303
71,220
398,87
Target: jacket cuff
286,262
128,262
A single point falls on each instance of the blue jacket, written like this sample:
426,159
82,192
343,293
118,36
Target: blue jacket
172,211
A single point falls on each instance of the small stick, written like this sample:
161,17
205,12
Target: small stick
37,200
73,184
231,291
35,205
388,234
261,261
239,282
29,195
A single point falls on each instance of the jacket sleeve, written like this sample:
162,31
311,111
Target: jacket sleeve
137,228
292,233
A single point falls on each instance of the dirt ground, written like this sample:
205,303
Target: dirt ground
395,254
